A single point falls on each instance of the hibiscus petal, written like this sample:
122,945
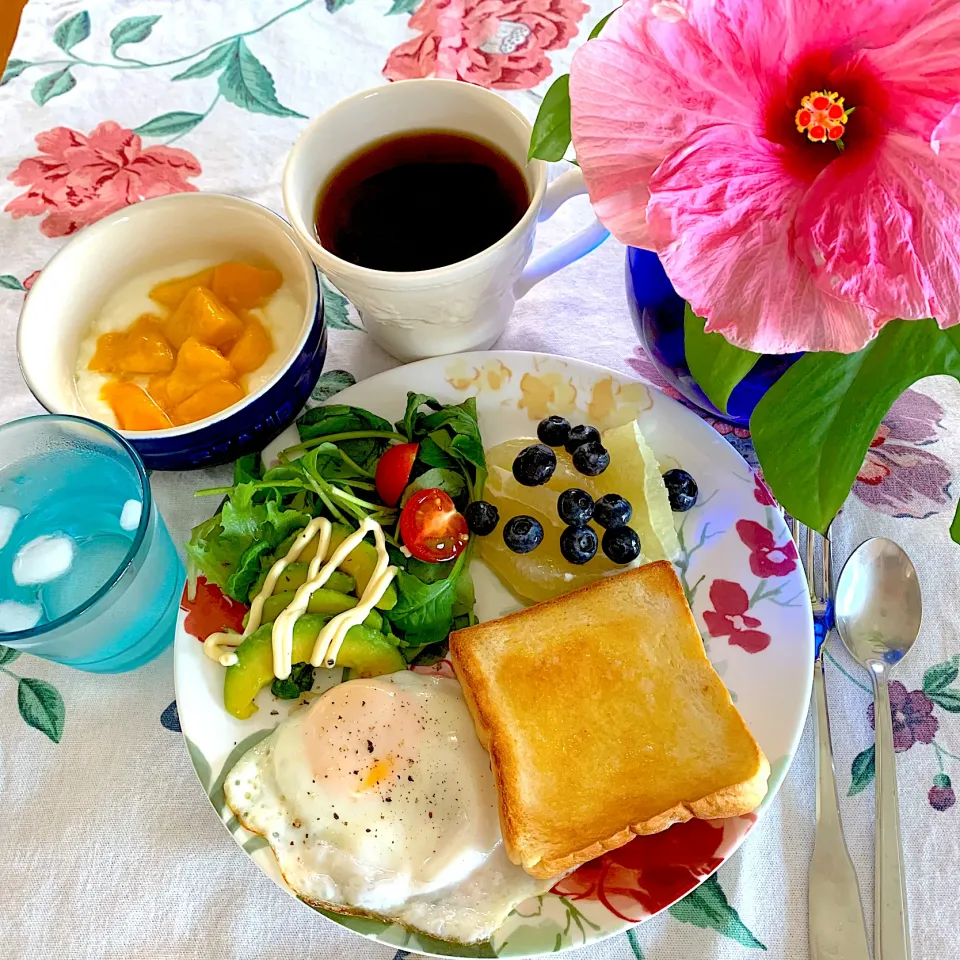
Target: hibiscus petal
753,641
729,598
646,84
721,216
885,234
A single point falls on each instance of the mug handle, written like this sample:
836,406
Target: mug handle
567,185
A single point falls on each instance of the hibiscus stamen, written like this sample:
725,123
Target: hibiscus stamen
823,117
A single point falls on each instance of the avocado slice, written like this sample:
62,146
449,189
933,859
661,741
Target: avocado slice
296,574
321,601
366,652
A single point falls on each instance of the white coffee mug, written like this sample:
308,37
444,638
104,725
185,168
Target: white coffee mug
463,306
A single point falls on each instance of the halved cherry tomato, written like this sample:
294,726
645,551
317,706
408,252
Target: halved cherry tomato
431,528
393,472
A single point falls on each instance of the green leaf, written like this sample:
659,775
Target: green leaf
10,282
330,383
52,85
424,611
247,570
41,706
72,31
247,83
204,773
335,310
707,907
247,469
404,6
13,69
601,23
436,478
211,63
8,654
940,676
716,365
551,131
300,680
949,700
334,5
131,30
813,427
169,124
862,771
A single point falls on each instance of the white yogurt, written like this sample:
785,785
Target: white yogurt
282,317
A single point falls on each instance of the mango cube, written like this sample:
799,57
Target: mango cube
244,287
197,365
208,400
204,316
170,293
133,409
253,347
140,349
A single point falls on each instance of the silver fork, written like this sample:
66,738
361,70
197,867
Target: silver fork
836,924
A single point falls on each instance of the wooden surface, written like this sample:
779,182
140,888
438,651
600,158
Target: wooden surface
10,11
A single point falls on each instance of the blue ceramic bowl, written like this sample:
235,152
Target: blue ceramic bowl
657,311
147,238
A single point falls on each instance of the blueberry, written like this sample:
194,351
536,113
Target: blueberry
575,507
534,465
621,544
591,458
580,435
612,510
554,431
681,489
482,517
522,534
578,544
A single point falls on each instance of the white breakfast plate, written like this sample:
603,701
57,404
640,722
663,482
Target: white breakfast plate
741,575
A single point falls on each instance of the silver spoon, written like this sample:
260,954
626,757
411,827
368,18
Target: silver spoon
878,612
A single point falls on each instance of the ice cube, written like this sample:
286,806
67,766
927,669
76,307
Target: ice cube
8,520
15,617
130,515
97,560
43,559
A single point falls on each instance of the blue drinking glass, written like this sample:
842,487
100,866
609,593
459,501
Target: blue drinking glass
657,312
89,576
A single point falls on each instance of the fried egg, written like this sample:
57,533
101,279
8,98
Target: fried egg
378,800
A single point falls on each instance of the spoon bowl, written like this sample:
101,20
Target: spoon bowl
878,612
878,607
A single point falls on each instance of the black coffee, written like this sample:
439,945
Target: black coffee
420,200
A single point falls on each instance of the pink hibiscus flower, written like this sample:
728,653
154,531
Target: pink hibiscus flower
499,44
78,179
729,617
767,557
704,129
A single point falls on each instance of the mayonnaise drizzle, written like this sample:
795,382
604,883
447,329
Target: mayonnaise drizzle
220,646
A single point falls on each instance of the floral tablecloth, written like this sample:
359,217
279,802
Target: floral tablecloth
109,847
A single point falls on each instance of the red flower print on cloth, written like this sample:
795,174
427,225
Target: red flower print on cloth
913,719
77,178
649,873
898,476
30,280
500,44
767,557
761,492
729,617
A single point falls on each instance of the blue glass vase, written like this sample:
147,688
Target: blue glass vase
657,312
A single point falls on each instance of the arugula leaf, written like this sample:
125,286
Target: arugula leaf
299,681
237,517
247,570
450,481
247,468
424,611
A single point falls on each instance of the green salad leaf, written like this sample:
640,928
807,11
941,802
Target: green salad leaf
424,611
451,482
299,681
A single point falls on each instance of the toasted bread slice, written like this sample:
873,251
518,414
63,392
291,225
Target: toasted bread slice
604,719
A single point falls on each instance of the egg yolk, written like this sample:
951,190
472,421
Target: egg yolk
188,364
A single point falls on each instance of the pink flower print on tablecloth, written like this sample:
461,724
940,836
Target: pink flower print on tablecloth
913,719
500,44
898,476
761,493
767,557
729,617
78,178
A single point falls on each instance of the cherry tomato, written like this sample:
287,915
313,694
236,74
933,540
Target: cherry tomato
431,528
393,472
